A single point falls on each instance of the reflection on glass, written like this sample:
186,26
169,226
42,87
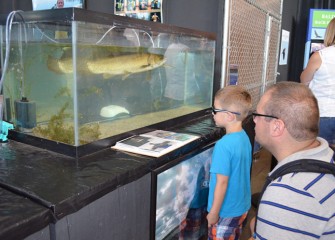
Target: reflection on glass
182,193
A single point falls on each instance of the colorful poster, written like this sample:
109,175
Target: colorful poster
55,4
149,10
316,29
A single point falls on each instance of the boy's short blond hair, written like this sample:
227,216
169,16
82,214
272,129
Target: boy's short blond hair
235,98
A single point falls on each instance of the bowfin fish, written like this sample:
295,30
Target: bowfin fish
60,65
65,65
125,64
112,110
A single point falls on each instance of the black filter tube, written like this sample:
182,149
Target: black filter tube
7,109
25,112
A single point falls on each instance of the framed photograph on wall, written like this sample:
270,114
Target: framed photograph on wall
54,4
150,10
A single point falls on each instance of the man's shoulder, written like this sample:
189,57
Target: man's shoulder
310,185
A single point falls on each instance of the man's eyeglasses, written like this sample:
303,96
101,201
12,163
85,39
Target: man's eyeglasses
255,114
215,110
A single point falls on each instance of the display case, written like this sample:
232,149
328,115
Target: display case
180,194
77,81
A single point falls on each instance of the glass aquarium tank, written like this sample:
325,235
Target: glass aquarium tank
79,79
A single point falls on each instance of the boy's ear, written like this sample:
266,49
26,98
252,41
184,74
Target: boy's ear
231,116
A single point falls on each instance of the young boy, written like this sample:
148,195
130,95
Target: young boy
229,188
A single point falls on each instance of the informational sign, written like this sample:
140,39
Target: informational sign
285,40
321,18
149,10
316,29
233,74
54,4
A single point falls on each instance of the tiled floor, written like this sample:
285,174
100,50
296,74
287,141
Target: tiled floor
260,168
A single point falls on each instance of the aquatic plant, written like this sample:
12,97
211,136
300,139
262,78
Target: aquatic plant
56,129
89,133
61,130
63,92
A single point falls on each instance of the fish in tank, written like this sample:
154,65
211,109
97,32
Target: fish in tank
95,81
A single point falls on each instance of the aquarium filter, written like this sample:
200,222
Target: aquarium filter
25,112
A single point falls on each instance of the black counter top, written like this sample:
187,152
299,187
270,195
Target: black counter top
20,216
39,186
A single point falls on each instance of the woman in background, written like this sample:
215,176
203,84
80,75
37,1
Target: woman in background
320,76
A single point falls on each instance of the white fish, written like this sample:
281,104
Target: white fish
112,110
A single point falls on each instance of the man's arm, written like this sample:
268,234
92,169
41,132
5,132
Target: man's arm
219,194
312,66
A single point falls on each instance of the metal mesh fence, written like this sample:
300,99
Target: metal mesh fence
270,6
252,47
273,53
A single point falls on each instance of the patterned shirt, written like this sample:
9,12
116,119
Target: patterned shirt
299,205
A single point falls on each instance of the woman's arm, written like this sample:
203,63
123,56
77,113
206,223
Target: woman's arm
313,64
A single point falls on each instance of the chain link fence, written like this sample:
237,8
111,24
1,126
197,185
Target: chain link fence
252,44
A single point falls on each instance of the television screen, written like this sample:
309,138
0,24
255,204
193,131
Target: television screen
54,4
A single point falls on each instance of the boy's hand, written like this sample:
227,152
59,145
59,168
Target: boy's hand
212,218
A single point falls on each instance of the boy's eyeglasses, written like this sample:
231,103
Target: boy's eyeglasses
215,110
255,114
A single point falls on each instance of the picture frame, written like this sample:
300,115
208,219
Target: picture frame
150,10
